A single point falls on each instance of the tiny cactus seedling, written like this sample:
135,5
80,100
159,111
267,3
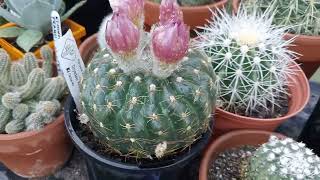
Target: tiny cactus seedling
301,16
250,58
147,95
30,90
283,159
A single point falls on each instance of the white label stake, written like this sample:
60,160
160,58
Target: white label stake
69,58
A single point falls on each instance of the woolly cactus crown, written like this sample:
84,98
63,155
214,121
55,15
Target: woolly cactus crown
250,58
283,159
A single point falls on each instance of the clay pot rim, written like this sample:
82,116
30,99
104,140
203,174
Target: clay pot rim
207,157
22,135
219,3
287,116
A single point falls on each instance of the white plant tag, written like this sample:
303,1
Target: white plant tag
71,64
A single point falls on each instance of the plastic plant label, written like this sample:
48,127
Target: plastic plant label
70,61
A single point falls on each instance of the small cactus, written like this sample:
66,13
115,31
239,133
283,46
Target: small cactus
47,56
283,159
29,91
250,58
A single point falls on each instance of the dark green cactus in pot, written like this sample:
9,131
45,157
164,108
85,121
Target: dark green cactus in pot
148,95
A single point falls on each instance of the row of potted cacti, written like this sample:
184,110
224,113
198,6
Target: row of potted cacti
148,98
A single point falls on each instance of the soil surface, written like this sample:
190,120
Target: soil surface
44,41
281,108
228,165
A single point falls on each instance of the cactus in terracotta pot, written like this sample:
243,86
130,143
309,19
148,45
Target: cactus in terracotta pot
25,90
147,95
283,159
250,58
301,16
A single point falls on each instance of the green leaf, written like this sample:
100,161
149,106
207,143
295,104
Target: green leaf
28,39
11,32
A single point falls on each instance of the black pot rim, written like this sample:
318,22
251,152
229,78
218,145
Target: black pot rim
196,149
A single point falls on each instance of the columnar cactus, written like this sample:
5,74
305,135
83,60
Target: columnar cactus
283,160
160,105
302,16
250,59
29,90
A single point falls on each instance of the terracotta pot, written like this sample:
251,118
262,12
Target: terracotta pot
307,46
36,153
231,140
88,47
299,96
193,15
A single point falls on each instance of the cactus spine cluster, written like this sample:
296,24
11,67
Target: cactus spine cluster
302,16
250,59
29,94
141,114
283,159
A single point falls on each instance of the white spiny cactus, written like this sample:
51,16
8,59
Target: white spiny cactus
250,59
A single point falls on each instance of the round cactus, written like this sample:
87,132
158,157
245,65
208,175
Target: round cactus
11,100
48,108
283,160
150,111
20,112
250,58
302,16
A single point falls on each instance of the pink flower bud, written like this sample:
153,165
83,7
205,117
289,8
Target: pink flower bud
122,35
169,9
134,9
170,42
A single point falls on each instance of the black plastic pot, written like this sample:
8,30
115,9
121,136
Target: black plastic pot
184,167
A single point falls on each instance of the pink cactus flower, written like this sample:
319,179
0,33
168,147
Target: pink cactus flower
122,35
134,9
170,42
169,9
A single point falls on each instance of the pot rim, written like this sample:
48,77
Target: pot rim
23,135
207,157
215,4
196,148
304,83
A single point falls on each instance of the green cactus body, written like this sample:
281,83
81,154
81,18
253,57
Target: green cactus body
4,68
283,160
48,108
302,16
53,89
251,60
11,100
47,55
18,74
34,84
30,62
34,122
15,126
20,112
4,118
136,113
194,2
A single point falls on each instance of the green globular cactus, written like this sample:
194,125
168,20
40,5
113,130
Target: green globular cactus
18,74
283,159
20,97
4,118
301,16
137,113
250,58
30,62
47,56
